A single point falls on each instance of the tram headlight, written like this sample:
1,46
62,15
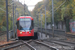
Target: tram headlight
20,32
29,31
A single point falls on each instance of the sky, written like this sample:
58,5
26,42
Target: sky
30,3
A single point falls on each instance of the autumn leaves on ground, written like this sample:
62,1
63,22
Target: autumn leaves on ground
3,40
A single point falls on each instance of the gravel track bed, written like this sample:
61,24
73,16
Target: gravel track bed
39,46
21,47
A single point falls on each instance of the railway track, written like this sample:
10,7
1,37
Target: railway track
2,33
70,35
57,32
38,45
41,45
27,45
61,41
18,45
62,44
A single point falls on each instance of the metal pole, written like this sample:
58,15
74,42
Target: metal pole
45,17
37,20
7,19
13,18
41,20
24,7
53,17
15,14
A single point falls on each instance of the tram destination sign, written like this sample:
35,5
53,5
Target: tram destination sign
24,19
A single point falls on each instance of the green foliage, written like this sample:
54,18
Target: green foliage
2,15
67,10
64,10
73,10
3,28
19,10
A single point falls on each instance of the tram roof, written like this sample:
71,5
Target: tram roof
25,17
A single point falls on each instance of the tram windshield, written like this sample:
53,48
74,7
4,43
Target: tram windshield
25,23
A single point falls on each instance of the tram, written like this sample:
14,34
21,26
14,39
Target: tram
25,27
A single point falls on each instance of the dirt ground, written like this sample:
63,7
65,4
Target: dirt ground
70,33
3,40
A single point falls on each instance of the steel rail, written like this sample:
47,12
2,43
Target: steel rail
73,43
13,46
49,31
8,44
51,47
57,32
16,45
29,45
62,43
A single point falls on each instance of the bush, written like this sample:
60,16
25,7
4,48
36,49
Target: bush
3,28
